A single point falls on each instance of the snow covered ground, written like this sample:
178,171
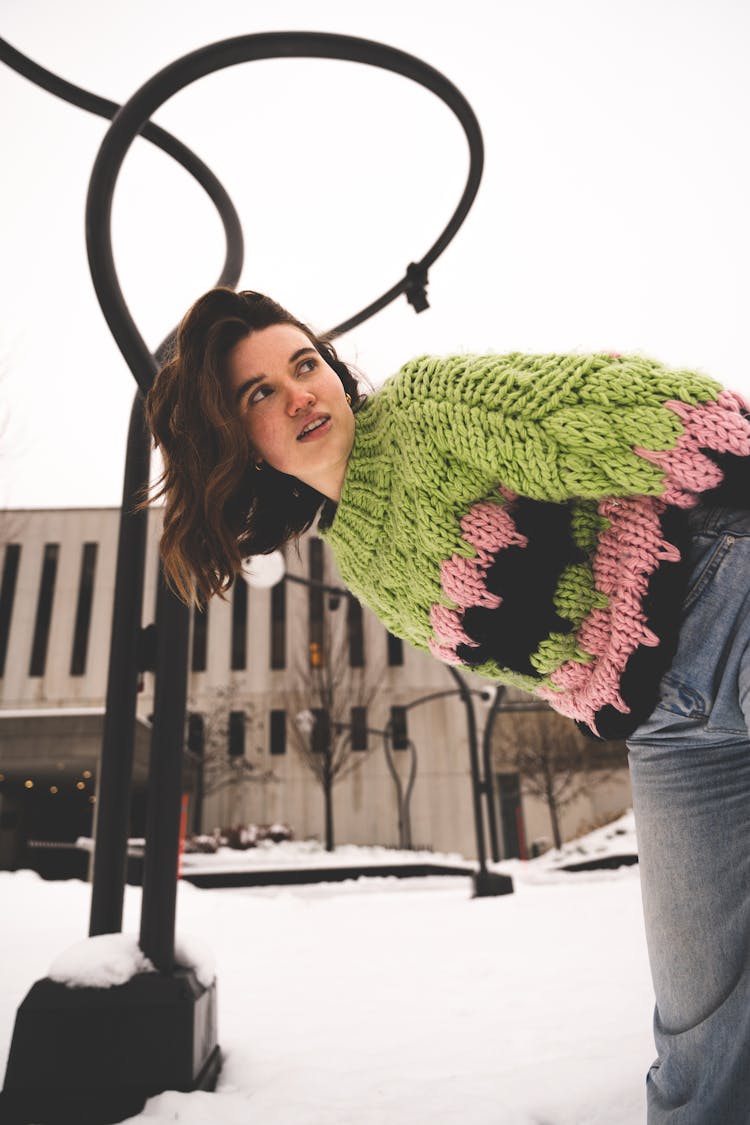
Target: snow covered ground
614,839
397,1001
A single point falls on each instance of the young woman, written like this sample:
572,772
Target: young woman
576,525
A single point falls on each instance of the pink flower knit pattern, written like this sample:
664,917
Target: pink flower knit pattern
488,528
630,549
715,425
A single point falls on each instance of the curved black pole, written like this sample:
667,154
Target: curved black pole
128,122
187,159
133,116
116,764
465,692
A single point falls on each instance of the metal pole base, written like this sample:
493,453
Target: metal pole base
92,1056
488,883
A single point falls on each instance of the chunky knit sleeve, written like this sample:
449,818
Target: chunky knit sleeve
519,515
556,427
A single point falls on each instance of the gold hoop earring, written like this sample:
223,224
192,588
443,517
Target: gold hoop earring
348,398
258,466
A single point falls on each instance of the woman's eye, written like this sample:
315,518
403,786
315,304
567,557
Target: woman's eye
259,394
306,366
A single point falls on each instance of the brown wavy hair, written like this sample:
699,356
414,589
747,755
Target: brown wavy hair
219,511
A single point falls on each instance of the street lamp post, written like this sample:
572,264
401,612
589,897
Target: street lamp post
486,883
267,570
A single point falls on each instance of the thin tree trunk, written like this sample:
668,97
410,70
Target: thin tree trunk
328,796
549,784
555,821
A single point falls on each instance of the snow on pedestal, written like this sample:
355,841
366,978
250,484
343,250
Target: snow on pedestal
113,959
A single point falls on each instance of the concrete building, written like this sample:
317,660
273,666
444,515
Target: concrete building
257,660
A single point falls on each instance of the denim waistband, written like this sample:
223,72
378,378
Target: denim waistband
713,519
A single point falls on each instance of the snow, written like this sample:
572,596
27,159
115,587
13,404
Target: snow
111,959
396,1000
309,853
614,839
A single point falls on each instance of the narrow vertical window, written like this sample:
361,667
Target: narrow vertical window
239,625
196,737
321,732
508,786
316,596
278,732
83,610
200,638
278,626
236,734
395,651
44,610
399,734
7,596
356,637
359,728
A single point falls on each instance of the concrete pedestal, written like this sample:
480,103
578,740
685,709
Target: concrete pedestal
92,1056
488,883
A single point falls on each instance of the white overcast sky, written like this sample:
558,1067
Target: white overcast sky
613,212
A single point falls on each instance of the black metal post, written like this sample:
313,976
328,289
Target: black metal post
486,882
489,780
164,784
116,764
476,791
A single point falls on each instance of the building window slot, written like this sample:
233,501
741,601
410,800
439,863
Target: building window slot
316,596
239,625
83,610
236,734
278,732
278,626
200,638
359,728
320,742
7,595
395,651
44,610
399,733
356,633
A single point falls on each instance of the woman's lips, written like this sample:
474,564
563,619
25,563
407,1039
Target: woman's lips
319,431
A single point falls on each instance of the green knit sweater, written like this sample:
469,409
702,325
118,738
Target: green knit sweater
511,513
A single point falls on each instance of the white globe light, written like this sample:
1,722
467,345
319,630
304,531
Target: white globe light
305,721
264,571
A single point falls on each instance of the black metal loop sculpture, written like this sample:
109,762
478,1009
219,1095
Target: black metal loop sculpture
129,121
229,52
102,107
195,1057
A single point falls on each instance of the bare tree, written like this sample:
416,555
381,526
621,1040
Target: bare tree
216,743
555,762
327,689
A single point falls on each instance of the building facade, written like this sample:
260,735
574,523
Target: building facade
271,672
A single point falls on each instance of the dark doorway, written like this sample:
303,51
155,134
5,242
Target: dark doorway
512,835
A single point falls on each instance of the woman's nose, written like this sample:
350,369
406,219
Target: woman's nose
300,400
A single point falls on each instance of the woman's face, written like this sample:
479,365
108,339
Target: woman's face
293,407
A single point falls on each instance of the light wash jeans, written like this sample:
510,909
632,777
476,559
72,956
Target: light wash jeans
690,770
